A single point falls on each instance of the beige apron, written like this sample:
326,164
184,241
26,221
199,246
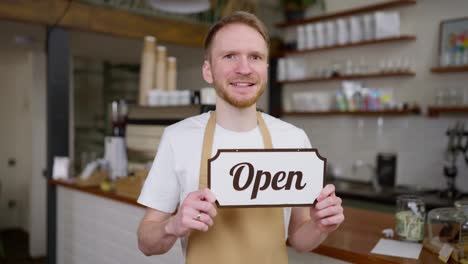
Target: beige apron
239,235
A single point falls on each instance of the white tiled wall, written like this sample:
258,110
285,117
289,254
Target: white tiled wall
92,230
419,142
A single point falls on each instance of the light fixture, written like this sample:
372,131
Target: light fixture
181,6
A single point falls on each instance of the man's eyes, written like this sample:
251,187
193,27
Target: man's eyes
256,57
252,57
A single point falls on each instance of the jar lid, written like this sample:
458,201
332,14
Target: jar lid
461,203
410,197
447,214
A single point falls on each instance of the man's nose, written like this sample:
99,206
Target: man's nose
243,66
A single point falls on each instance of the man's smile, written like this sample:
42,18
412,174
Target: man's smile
242,85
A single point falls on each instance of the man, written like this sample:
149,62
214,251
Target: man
180,205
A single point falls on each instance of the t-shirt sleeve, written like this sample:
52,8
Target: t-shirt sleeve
161,188
306,140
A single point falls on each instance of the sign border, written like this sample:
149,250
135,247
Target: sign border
266,150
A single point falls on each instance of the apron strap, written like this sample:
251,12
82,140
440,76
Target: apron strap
267,142
206,149
208,144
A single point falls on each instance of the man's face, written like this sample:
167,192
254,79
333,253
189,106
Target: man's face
237,65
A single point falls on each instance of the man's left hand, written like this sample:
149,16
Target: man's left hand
328,212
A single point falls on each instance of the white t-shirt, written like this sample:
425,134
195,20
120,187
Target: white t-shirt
176,167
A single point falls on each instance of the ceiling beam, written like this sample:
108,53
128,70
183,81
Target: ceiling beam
85,17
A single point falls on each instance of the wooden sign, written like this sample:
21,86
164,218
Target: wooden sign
266,177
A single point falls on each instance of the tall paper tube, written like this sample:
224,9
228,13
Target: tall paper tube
146,69
160,71
171,73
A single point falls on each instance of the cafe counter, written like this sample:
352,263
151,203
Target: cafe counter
100,227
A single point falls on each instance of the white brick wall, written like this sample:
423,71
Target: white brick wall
91,229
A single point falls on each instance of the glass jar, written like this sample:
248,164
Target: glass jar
449,225
410,215
462,210
444,225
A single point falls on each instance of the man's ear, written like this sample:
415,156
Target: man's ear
206,70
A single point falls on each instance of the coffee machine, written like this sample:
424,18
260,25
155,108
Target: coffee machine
457,146
115,151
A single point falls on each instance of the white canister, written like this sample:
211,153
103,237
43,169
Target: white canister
301,38
387,24
172,97
154,97
320,34
369,27
184,97
310,36
296,69
355,29
342,31
331,33
281,69
208,96
164,98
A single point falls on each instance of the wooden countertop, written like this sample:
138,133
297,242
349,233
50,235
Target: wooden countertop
352,242
358,235
96,191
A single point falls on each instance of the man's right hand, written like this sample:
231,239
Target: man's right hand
196,213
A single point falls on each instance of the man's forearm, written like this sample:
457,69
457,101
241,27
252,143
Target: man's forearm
307,237
153,239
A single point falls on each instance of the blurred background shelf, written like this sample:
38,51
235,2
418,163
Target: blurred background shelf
391,112
350,77
447,69
163,115
349,12
363,43
435,111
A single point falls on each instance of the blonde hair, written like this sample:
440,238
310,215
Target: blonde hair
238,17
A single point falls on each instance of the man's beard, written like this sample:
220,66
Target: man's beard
236,102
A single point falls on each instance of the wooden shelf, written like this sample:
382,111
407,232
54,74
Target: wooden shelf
434,111
349,77
162,115
363,43
349,12
447,69
392,112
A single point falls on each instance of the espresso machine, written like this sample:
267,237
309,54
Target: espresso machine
115,151
457,145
